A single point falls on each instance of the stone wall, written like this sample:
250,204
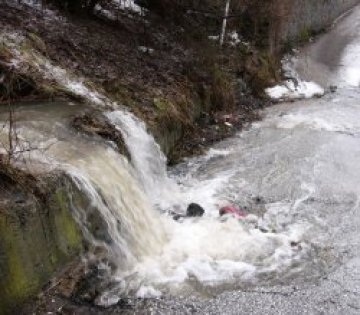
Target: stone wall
309,16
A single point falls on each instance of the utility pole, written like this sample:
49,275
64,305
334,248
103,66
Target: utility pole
223,28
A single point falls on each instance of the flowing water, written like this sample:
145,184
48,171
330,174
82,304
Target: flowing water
296,173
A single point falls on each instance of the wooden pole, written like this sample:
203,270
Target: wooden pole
223,28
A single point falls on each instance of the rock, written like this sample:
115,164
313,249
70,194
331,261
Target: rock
194,210
37,236
263,229
94,123
259,200
178,217
333,88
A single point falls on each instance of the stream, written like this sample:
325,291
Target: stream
296,173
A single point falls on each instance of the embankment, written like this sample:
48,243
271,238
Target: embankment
37,239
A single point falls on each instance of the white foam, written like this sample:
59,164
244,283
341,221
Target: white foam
147,292
349,72
147,158
213,251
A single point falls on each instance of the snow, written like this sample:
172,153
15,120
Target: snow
31,60
106,13
145,49
129,5
125,5
214,37
294,88
289,91
234,38
38,5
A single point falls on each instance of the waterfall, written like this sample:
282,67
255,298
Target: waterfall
146,157
118,220
133,228
143,252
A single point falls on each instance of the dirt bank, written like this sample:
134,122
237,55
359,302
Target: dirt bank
181,78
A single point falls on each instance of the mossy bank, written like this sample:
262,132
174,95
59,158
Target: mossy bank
37,239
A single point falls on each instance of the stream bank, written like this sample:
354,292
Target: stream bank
38,235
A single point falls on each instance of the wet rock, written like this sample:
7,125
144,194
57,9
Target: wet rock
259,200
333,88
178,216
194,210
263,229
38,235
96,124
89,287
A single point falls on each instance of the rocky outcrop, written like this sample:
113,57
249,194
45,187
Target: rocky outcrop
37,238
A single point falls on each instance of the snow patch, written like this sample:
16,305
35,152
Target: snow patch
145,49
234,38
23,58
214,37
291,91
294,88
129,5
105,13
38,5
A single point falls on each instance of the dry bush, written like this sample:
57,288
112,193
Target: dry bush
76,6
262,21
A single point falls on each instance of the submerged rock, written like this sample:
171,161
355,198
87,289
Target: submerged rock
94,123
333,88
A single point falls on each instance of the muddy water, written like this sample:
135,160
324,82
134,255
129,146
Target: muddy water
146,252
296,173
120,223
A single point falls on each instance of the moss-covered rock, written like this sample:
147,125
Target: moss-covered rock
36,239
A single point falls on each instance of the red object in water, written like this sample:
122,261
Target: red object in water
233,210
